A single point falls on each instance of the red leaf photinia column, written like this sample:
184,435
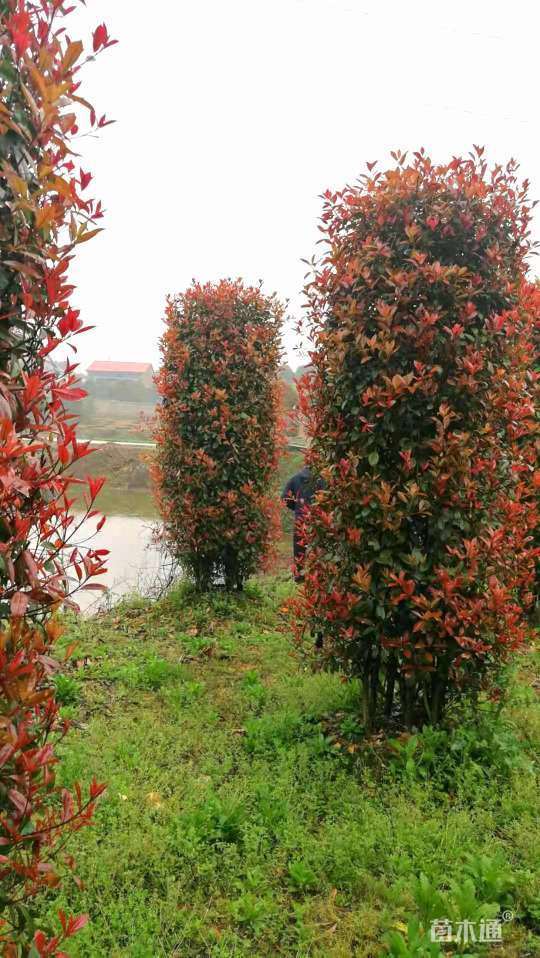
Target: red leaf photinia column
421,412
219,430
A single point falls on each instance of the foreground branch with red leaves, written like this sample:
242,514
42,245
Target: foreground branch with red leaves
421,410
44,215
219,430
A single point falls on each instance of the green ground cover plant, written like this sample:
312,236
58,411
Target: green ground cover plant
247,813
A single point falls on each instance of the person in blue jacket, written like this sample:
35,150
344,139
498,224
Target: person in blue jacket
297,495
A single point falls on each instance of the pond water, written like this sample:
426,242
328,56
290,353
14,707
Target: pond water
133,565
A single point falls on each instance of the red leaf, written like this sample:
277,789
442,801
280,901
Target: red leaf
40,941
20,801
19,604
75,924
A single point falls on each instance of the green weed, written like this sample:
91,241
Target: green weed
151,674
66,689
254,689
480,747
301,876
215,820
252,911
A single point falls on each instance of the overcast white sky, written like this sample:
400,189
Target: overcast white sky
234,115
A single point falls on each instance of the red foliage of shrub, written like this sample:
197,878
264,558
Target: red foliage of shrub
44,215
218,429
421,413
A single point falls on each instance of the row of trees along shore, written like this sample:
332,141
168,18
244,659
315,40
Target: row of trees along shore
421,409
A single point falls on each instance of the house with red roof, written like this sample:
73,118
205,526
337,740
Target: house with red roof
103,371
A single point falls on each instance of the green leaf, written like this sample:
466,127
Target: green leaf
5,279
7,70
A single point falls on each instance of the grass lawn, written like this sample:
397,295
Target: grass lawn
246,814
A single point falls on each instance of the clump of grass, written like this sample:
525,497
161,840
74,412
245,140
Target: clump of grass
152,673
